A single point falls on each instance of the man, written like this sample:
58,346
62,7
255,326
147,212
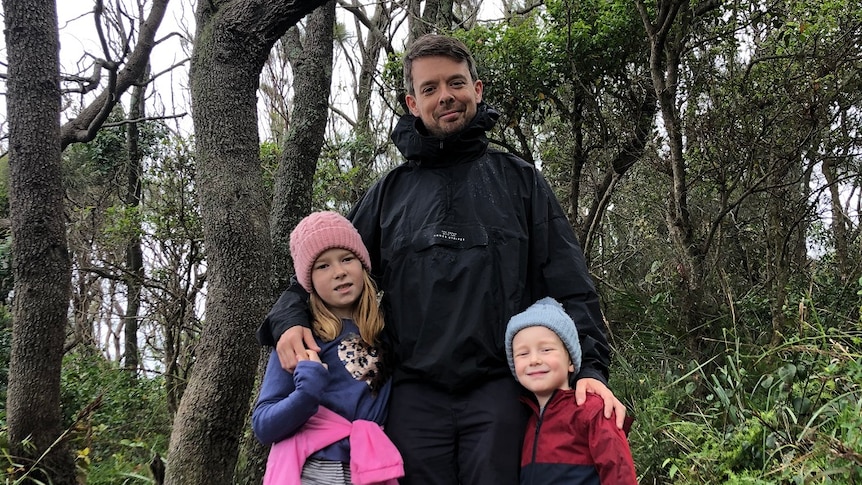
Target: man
461,238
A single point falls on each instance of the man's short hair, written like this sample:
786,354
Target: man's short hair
436,45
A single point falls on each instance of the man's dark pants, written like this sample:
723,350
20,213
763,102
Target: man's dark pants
469,438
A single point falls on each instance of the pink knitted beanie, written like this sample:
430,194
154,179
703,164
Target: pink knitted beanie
318,232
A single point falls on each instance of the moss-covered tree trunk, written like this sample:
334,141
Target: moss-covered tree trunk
295,174
312,80
232,42
41,265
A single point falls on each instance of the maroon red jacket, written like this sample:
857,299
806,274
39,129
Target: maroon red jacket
572,444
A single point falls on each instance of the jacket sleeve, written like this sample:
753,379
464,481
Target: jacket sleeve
610,450
559,265
286,400
290,310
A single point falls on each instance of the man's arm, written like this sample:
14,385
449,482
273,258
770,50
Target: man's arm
562,274
287,327
566,278
291,309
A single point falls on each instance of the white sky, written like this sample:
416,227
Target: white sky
79,42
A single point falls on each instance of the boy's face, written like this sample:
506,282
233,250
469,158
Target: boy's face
542,363
445,97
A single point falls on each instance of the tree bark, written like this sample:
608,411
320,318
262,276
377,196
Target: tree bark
295,174
667,36
232,42
294,181
41,265
367,150
134,254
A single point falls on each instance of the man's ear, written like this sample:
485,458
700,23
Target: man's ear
480,88
411,104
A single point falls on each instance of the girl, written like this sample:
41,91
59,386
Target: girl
325,418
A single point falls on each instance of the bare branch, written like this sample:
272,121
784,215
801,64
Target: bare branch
350,121
86,84
371,26
83,128
167,70
141,120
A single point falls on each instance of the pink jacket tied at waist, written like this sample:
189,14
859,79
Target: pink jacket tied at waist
373,458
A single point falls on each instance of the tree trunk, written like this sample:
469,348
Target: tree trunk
134,253
367,150
232,43
295,174
840,221
294,181
667,38
41,265
253,455
575,117
631,151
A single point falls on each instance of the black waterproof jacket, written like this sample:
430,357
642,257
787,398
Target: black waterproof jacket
461,238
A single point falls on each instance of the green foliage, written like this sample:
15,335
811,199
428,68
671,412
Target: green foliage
594,38
785,414
4,187
514,59
270,157
171,213
6,278
118,421
341,176
392,78
5,350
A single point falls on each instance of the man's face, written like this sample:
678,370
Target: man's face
445,98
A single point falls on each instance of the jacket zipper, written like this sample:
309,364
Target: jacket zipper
536,436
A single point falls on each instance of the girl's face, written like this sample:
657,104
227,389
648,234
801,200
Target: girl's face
337,277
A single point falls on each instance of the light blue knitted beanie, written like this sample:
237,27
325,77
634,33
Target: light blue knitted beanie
548,313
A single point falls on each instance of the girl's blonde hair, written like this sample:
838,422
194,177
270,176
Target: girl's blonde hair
367,314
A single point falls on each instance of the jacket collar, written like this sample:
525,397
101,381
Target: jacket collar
558,396
425,150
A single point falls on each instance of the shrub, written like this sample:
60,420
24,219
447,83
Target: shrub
119,421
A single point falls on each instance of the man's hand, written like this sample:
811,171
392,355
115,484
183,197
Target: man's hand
595,386
312,356
291,346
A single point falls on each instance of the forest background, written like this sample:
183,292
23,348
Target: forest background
706,152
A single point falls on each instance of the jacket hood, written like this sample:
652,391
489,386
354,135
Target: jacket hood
419,147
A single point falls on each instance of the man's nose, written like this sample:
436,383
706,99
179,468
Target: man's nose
446,96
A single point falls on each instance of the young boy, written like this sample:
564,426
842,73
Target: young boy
564,443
